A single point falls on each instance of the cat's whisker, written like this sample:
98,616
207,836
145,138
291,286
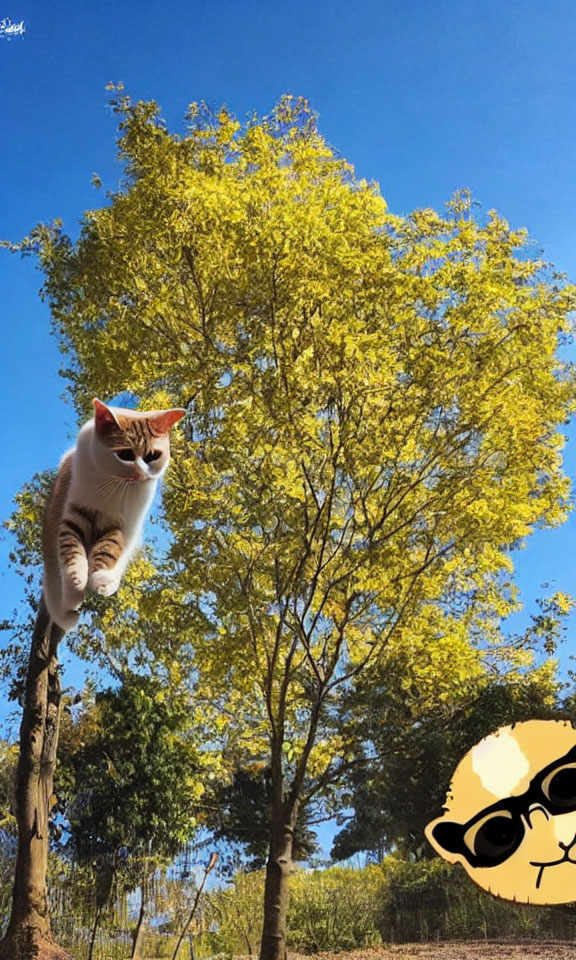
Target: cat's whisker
110,486
105,489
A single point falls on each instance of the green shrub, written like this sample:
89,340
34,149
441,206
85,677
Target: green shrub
334,909
160,946
431,900
232,917
395,902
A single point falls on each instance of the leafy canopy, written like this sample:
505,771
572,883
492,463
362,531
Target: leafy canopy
375,406
129,775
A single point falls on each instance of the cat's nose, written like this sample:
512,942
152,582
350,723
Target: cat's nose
140,476
533,813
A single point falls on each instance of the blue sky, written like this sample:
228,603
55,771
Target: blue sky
424,96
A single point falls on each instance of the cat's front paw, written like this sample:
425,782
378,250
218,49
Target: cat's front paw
71,599
78,581
75,577
104,582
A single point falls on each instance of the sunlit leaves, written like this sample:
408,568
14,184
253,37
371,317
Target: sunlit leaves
375,406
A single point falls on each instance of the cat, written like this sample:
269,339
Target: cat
98,503
510,813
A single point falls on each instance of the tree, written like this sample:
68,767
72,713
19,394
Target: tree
28,933
241,815
192,914
36,683
374,410
129,784
410,755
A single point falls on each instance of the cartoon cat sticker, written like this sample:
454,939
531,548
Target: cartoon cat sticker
510,813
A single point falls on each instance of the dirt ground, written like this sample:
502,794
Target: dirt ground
455,950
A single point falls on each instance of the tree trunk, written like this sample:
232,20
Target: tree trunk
138,935
28,936
95,926
276,890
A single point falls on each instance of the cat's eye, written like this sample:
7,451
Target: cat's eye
495,837
126,454
559,787
154,455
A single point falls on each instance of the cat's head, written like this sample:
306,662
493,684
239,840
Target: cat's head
134,443
510,817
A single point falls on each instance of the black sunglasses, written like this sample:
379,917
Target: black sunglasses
495,833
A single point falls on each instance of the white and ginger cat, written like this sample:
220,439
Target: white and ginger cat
98,504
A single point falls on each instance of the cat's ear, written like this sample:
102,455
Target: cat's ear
446,838
165,419
103,416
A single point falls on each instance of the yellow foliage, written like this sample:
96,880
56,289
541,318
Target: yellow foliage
375,412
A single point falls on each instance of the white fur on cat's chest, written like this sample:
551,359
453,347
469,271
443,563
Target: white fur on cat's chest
127,501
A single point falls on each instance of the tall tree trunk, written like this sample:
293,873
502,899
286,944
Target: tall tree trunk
95,926
277,888
28,936
104,880
139,932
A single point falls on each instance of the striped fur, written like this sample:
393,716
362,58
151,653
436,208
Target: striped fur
100,498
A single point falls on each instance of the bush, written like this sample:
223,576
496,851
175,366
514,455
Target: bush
343,908
232,917
431,900
334,909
